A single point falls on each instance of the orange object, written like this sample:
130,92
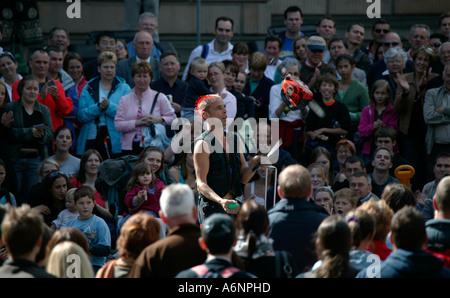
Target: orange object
404,173
295,93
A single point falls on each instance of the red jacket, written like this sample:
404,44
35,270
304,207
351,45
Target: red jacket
58,108
152,202
380,248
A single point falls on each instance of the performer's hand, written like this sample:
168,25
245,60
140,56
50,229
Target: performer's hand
229,200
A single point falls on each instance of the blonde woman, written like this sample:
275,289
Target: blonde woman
68,260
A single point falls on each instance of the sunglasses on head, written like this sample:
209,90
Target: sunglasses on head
8,54
381,30
429,50
57,173
388,44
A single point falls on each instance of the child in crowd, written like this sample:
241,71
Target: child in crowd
154,157
144,191
323,196
362,226
6,197
345,200
383,216
197,86
351,92
319,175
322,156
376,115
67,214
239,85
328,130
94,227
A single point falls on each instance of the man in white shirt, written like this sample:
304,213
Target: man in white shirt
219,49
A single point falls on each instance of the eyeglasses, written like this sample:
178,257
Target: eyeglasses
381,30
436,45
389,44
120,47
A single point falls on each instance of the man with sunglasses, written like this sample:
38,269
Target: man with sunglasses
436,40
391,39
379,29
439,65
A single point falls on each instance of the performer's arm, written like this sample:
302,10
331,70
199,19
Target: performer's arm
201,165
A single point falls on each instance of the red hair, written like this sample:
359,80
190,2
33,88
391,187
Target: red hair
204,101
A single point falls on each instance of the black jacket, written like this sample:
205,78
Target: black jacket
293,223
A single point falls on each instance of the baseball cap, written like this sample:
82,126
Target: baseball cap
219,225
316,43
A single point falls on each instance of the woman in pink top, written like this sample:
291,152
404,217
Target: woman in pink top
134,109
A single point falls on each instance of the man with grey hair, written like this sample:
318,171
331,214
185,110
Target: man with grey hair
419,36
436,113
134,7
180,250
148,21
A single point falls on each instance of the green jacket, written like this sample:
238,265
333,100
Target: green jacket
356,98
21,134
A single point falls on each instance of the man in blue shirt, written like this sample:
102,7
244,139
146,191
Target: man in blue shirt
293,19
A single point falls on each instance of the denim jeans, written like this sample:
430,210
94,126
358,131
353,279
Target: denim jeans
27,175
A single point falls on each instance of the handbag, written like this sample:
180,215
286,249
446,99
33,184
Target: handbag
155,134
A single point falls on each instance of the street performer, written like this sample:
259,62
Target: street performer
219,162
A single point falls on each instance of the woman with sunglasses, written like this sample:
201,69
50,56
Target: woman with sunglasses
408,103
51,199
121,50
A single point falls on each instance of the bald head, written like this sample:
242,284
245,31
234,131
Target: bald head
143,43
295,182
392,39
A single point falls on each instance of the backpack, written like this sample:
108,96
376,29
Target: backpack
283,265
113,176
205,51
204,272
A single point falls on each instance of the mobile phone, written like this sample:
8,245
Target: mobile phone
40,126
52,83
